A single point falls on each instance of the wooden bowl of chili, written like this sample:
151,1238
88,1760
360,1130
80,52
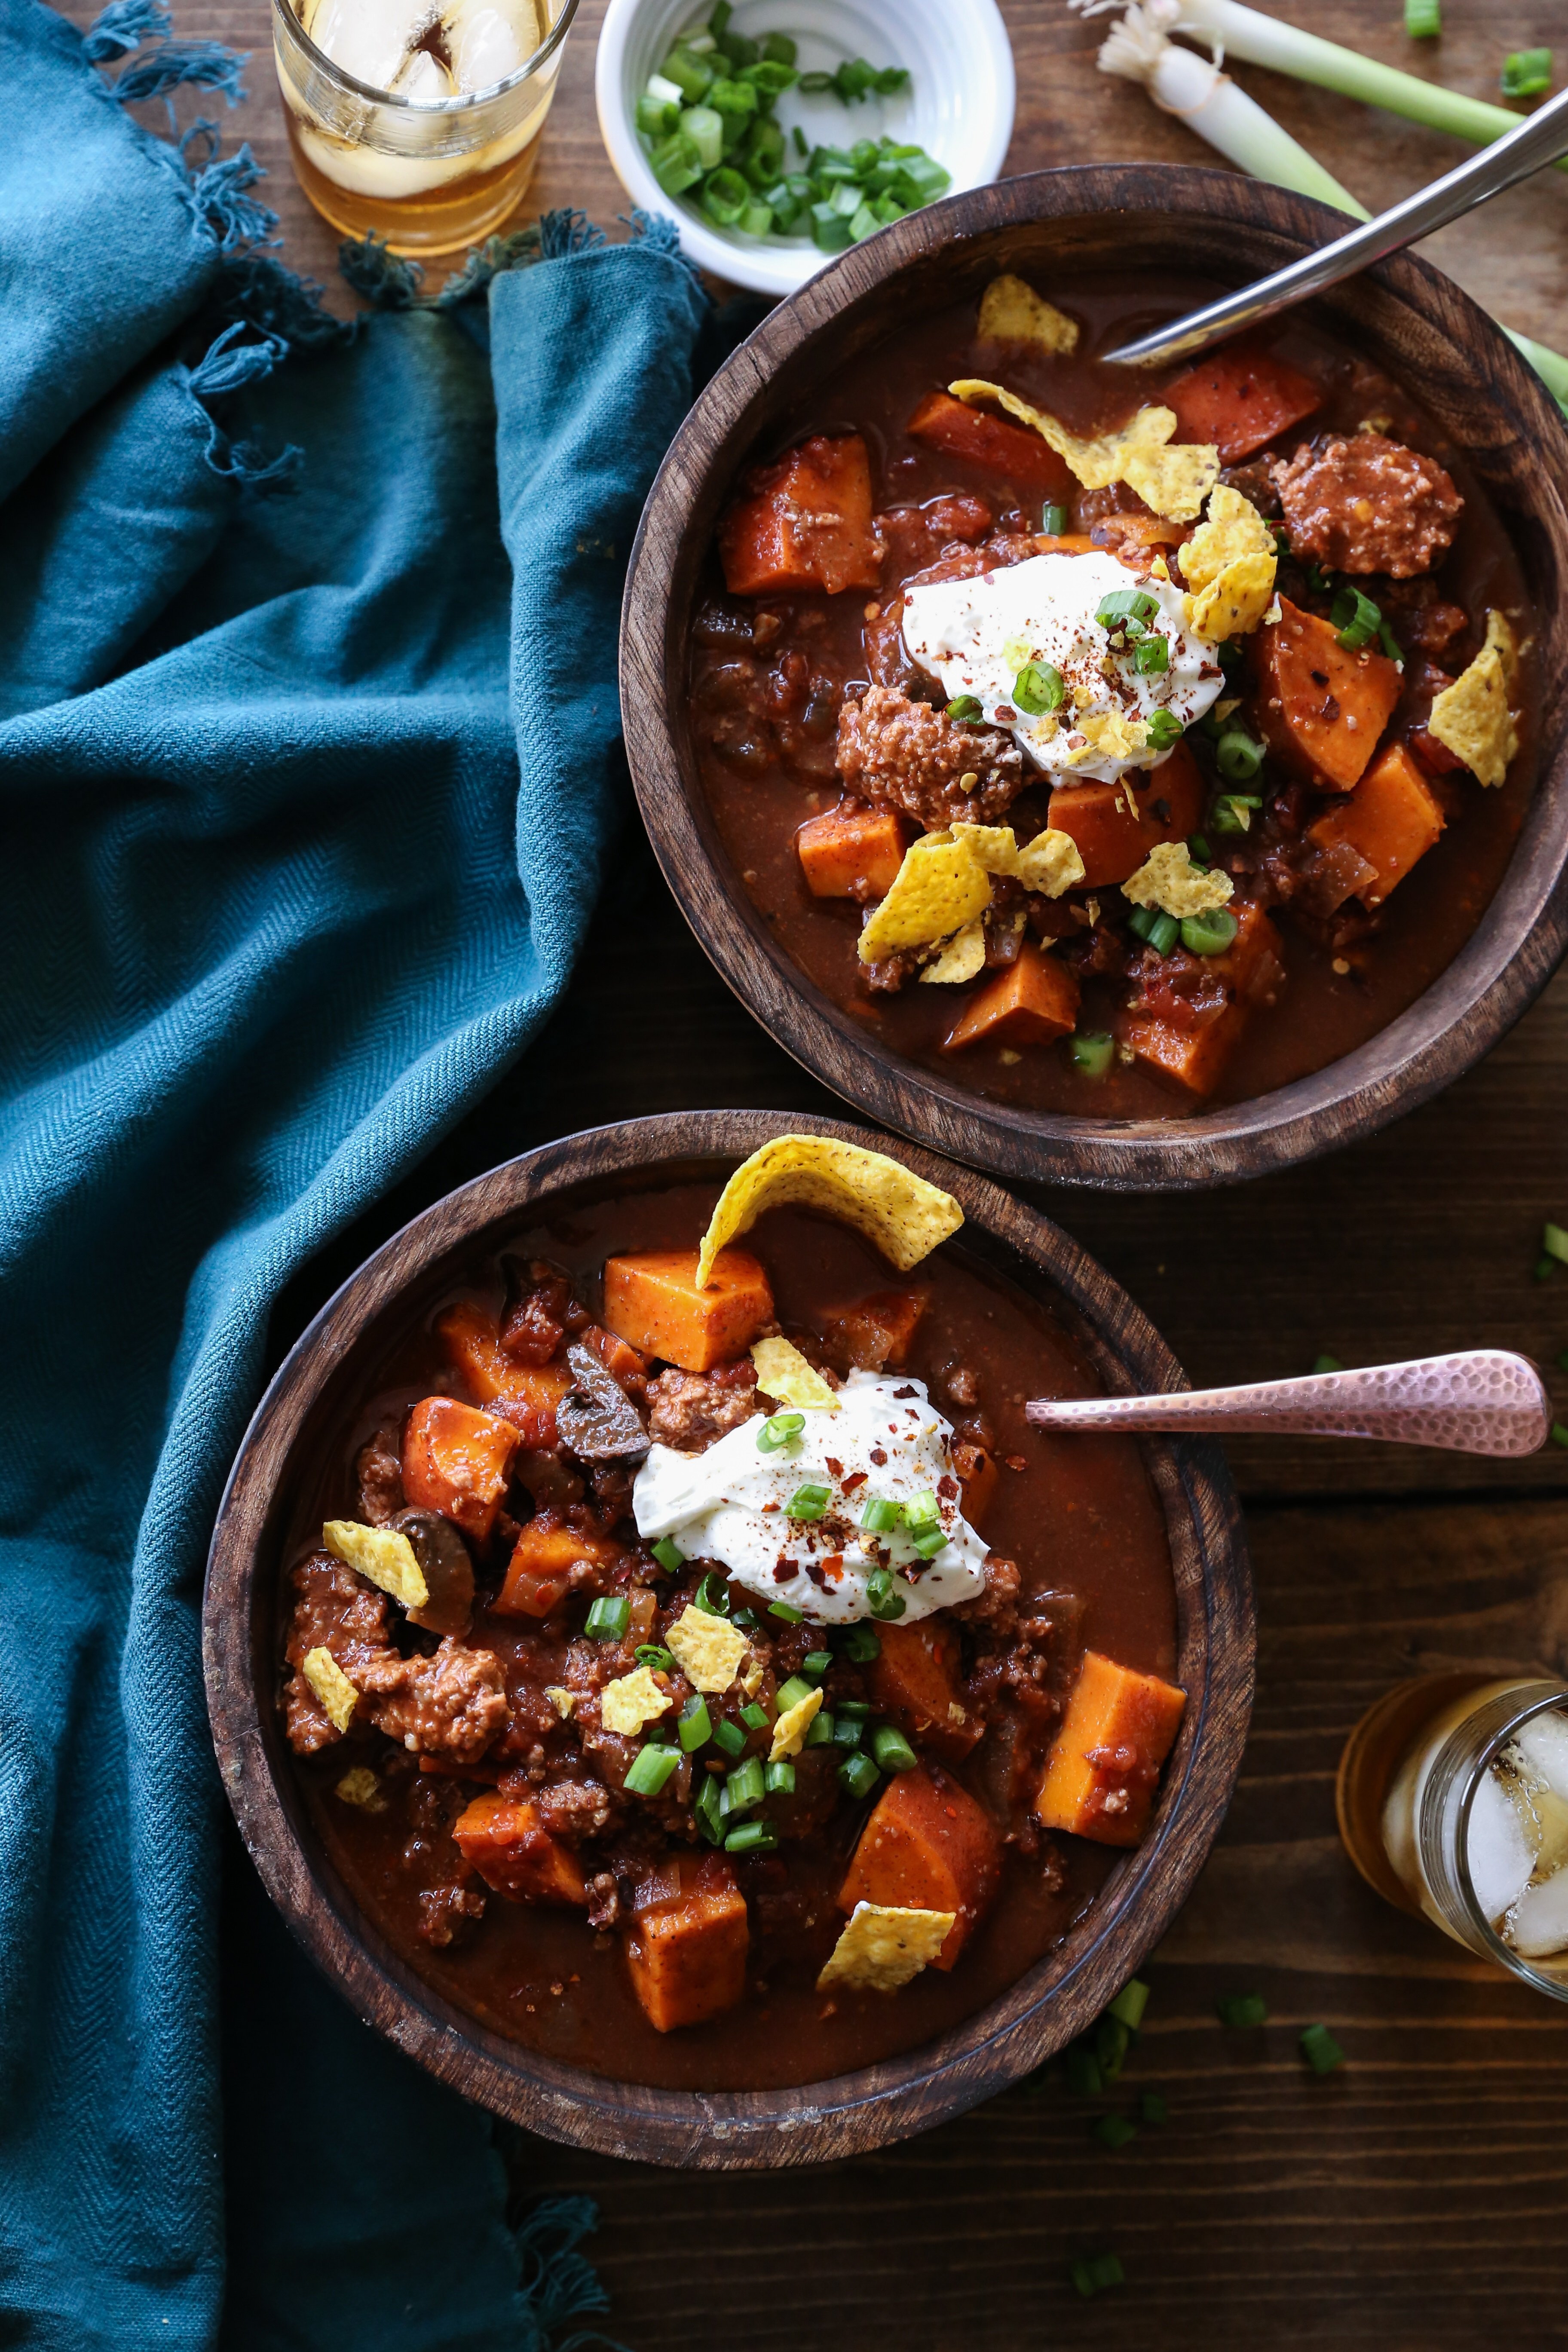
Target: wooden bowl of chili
1367,1026
874,2081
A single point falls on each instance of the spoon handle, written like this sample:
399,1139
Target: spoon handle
1482,1400
1540,138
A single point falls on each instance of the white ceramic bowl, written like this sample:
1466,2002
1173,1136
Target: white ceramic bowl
959,108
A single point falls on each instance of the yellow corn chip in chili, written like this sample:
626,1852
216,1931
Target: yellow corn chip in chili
899,1211
332,1687
1472,717
1012,313
1168,880
962,958
1230,564
884,1946
790,1730
936,891
632,1700
1109,735
360,1788
382,1556
1050,864
1174,482
708,1649
784,1373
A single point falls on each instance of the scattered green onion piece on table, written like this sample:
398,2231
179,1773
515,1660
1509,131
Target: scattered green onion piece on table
607,1619
650,1769
1153,2109
1092,2277
891,1749
1526,73
1114,2131
1210,933
711,1596
694,1724
1053,519
751,1837
1321,2051
1545,1268
1038,689
809,1501
1091,1052
785,1611
791,1693
1554,1242
1559,1433
1423,19
1325,1363
885,1602
778,1778
1237,756
1163,730
1112,2043
1130,2003
858,1775
668,1555
1241,2010
1081,2067
709,1810
861,1644
729,1737
819,1730
754,1717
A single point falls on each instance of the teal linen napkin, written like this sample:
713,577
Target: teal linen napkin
308,743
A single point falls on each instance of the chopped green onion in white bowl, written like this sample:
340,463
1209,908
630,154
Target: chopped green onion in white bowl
938,114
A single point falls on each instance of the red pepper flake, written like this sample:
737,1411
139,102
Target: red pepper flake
947,1488
904,1392
879,1457
773,1506
835,1469
833,1568
856,1478
815,1574
784,1570
1015,1461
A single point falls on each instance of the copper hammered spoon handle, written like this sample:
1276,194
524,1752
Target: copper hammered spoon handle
1482,1400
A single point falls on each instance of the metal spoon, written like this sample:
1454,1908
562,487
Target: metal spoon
1483,1401
1540,138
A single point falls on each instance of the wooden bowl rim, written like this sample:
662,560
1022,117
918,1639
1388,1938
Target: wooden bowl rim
1499,971
1011,2035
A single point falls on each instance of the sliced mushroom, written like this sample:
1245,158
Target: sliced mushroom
597,1419
448,1572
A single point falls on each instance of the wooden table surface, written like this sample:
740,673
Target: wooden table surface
1416,2201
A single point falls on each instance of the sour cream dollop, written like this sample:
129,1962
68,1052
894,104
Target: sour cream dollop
731,1504
976,635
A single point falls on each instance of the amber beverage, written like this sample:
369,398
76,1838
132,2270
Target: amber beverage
419,124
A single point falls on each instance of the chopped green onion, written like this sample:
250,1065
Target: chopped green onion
920,1507
779,49
674,163
694,1723
729,1737
691,75
648,1654
1389,644
1241,2010
1163,932
1130,2003
819,1730
780,1429
1126,605
849,1730
929,1541
1321,2051
747,1620
1093,2277
1237,756
891,1749
1210,933
778,1778
1355,619
709,1808
1092,1052
1152,657
829,229
1198,848
1082,2070
1423,19
1545,1268
790,1694
1053,519
1153,2109
1114,2131
754,1717
884,1603
785,1611
879,1515
1111,2044
801,148
1559,1434
1526,73
725,196
1554,1242
1162,729
1038,688
1326,1363
650,1769
665,92
965,707
863,222
809,1501
816,1661
657,117
858,1775
744,1786
702,43
705,129
711,1595
1140,923
733,97
861,1644
607,1620
858,1707
751,1837
668,1555
1232,811
718,17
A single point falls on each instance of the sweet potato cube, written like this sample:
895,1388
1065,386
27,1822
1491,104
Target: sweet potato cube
804,521
1321,709
621,1361
1391,819
688,1955
914,1678
1101,1775
1240,399
877,1331
1113,840
1027,1002
538,1573
1192,1060
853,851
928,1846
993,442
652,1302
502,1840
456,1460
524,1394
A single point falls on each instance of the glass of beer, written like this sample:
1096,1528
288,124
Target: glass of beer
1452,1803
418,120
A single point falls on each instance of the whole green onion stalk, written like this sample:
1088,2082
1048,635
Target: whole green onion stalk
1140,49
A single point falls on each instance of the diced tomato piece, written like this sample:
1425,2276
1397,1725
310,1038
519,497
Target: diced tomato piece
804,521
456,1460
876,1331
993,442
620,1359
1114,840
1435,757
1391,819
928,1846
1101,1775
504,1842
687,1955
1240,399
914,1678
1027,1002
853,851
1321,709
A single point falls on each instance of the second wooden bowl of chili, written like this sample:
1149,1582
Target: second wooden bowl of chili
710,1724
1139,781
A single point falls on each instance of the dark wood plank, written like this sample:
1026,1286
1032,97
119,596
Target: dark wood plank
1414,2201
